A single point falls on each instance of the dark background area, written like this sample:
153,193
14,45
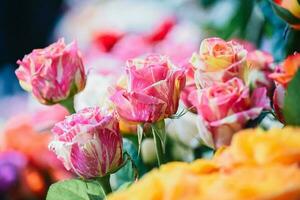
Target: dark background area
24,25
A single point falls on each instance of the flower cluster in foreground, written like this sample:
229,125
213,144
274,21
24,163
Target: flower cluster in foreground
257,165
225,88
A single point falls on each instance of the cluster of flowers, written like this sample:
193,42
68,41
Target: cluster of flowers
257,165
225,83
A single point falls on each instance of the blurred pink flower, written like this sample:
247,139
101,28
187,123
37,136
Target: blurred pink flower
54,73
161,30
218,61
45,117
131,46
224,108
88,142
154,87
179,44
105,40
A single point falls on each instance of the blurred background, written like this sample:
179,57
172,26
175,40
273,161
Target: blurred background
108,33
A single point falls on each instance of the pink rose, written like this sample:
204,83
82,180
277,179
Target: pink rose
224,108
88,143
54,73
153,91
219,61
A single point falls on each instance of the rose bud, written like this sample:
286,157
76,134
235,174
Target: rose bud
225,108
219,61
54,73
282,76
153,90
88,143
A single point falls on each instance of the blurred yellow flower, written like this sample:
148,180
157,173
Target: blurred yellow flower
257,165
255,146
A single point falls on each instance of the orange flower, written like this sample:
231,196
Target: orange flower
291,5
20,135
288,70
289,11
34,181
282,77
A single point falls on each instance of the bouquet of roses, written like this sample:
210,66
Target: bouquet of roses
223,89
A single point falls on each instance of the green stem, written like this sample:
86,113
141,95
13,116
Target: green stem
105,184
69,104
159,144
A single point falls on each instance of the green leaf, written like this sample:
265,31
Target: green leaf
125,186
131,150
291,109
131,169
160,130
94,197
124,175
204,152
159,136
75,189
284,14
255,122
140,131
181,113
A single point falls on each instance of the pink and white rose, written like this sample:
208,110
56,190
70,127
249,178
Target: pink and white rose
88,142
54,73
225,108
152,92
218,61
